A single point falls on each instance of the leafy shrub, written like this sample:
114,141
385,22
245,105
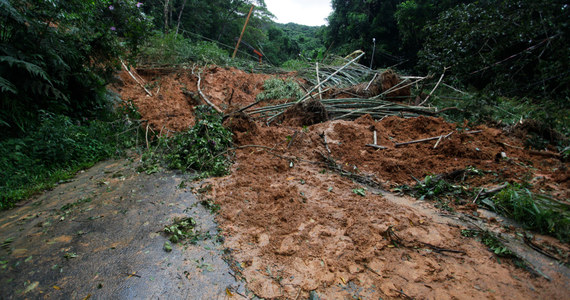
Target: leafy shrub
163,48
275,88
295,65
202,147
59,147
174,48
534,211
438,189
209,52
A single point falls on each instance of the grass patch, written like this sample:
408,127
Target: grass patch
175,49
535,212
443,191
295,65
489,240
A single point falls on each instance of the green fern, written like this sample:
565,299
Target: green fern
6,86
29,67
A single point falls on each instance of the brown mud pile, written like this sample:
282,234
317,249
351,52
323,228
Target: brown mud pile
295,227
175,93
304,114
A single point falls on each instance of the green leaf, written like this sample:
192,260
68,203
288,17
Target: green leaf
167,246
360,191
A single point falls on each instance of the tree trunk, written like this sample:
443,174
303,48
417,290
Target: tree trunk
180,16
166,16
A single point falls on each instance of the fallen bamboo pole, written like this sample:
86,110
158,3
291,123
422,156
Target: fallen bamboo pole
434,138
435,87
135,79
206,98
369,83
376,146
330,76
423,140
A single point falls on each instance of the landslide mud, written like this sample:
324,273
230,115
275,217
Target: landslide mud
298,228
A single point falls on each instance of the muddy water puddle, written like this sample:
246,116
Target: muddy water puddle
100,236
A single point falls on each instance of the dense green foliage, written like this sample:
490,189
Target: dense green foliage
58,56
293,41
412,16
275,88
173,48
508,47
57,149
216,20
221,22
534,211
354,24
56,116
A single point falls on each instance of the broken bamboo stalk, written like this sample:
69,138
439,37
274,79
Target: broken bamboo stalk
376,146
204,96
423,140
439,140
369,83
494,190
319,82
435,87
324,135
135,79
434,138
